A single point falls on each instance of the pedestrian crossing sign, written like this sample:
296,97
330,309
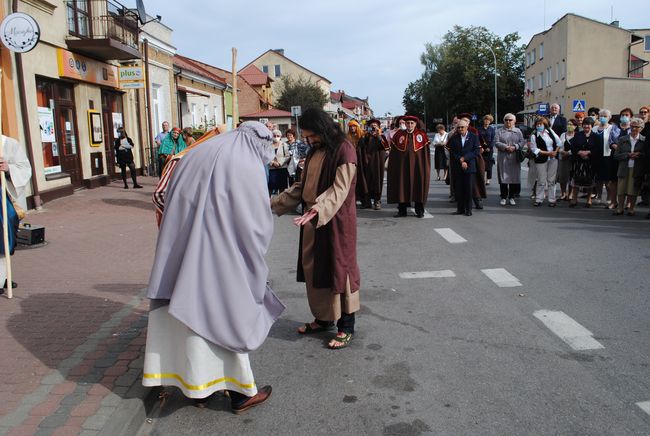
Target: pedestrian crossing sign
579,105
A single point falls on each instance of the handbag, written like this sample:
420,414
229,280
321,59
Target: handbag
521,155
12,227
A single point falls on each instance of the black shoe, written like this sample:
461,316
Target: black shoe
14,285
136,186
452,200
478,205
126,186
468,213
419,214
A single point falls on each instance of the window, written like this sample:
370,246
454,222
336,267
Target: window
277,71
218,110
265,69
549,76
193,114
563,69
647,43
557,71
541,80
541,51
78,18
532,84
157,106
533,57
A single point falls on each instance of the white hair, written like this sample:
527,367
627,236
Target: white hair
637,122
605,113
509,115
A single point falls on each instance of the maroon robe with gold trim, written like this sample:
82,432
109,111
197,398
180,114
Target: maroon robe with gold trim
409,167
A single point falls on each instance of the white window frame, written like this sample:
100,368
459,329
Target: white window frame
541,80
533,58
193,112
541,51
646,44
563,69
557,72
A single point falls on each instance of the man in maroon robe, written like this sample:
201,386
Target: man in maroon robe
409,168
374,147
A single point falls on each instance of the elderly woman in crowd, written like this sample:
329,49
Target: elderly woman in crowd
607,168
486,138
586,150
278,172
439,158
630,154
545,147
564,164
508,140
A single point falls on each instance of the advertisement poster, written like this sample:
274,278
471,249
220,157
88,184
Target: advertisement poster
117,123
46,121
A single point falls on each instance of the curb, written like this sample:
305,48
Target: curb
131,415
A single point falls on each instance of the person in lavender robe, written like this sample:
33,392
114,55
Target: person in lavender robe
210,302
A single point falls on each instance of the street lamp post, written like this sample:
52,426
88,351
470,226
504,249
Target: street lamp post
496,117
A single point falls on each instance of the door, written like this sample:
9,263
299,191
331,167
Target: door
68,144
111,112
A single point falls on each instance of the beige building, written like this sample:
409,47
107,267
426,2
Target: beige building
67,101
582,59
275,64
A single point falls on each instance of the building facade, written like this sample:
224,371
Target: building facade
580,59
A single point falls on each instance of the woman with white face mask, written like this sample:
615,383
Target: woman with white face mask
564,164
545,146
606,173
278,172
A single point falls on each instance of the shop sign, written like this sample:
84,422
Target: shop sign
46,122
75,66
131,77
19,32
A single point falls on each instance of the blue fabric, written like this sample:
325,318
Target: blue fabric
13,221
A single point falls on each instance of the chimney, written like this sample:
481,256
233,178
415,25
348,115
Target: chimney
279,50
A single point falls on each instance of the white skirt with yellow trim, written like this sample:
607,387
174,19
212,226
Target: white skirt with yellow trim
176,356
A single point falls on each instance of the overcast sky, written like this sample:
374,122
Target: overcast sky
367,48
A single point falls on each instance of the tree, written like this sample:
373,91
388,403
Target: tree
300,92
459,75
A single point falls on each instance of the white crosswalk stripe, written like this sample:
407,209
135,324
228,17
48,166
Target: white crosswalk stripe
501,277
569,330
645,406
451,236
427,274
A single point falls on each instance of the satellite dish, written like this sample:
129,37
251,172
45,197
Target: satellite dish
142,14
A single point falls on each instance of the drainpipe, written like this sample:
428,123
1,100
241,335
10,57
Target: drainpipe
36,195
148,97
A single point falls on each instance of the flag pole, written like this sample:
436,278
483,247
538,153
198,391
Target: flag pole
5,224
235,103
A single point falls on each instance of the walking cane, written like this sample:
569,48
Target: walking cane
5,225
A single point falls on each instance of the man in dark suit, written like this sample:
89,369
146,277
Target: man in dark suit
464,149
557,121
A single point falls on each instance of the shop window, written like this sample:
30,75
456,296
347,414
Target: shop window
78,18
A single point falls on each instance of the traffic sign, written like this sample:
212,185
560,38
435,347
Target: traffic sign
296,111
579,105
474,117
542,109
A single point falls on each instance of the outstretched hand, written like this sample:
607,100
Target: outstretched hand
305,218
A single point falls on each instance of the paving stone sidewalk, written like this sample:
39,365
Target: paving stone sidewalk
72,338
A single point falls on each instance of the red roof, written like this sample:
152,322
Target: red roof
271,113
197,68
254,76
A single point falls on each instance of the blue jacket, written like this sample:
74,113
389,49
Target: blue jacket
469,152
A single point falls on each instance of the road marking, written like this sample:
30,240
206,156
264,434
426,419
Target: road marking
578,337
451,236
427,215
501,277
427,274
645,406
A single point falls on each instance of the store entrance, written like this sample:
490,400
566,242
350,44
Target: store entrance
112,116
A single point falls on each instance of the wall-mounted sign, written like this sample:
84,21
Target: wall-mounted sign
74,66
95,127
131,77
117,123
19,32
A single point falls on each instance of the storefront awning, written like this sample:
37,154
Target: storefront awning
191,91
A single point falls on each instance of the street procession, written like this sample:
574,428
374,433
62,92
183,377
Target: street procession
435,224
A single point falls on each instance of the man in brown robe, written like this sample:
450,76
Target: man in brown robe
327,256
355,136
409,168
374,147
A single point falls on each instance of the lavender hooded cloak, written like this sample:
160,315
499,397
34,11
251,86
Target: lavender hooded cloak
214,235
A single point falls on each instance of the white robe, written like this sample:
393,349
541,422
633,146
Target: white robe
18,176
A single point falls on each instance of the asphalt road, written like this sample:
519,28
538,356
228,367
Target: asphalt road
456,353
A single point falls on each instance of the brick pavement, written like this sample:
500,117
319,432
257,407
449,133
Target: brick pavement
73,335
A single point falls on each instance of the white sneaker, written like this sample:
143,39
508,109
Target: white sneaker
502,202
512,202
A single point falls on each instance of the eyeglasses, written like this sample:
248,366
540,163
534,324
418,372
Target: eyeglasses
643,112
508,120
635,127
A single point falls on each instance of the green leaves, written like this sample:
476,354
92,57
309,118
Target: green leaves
300,92
459,75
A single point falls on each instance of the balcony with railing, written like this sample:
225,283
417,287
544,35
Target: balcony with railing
103,29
